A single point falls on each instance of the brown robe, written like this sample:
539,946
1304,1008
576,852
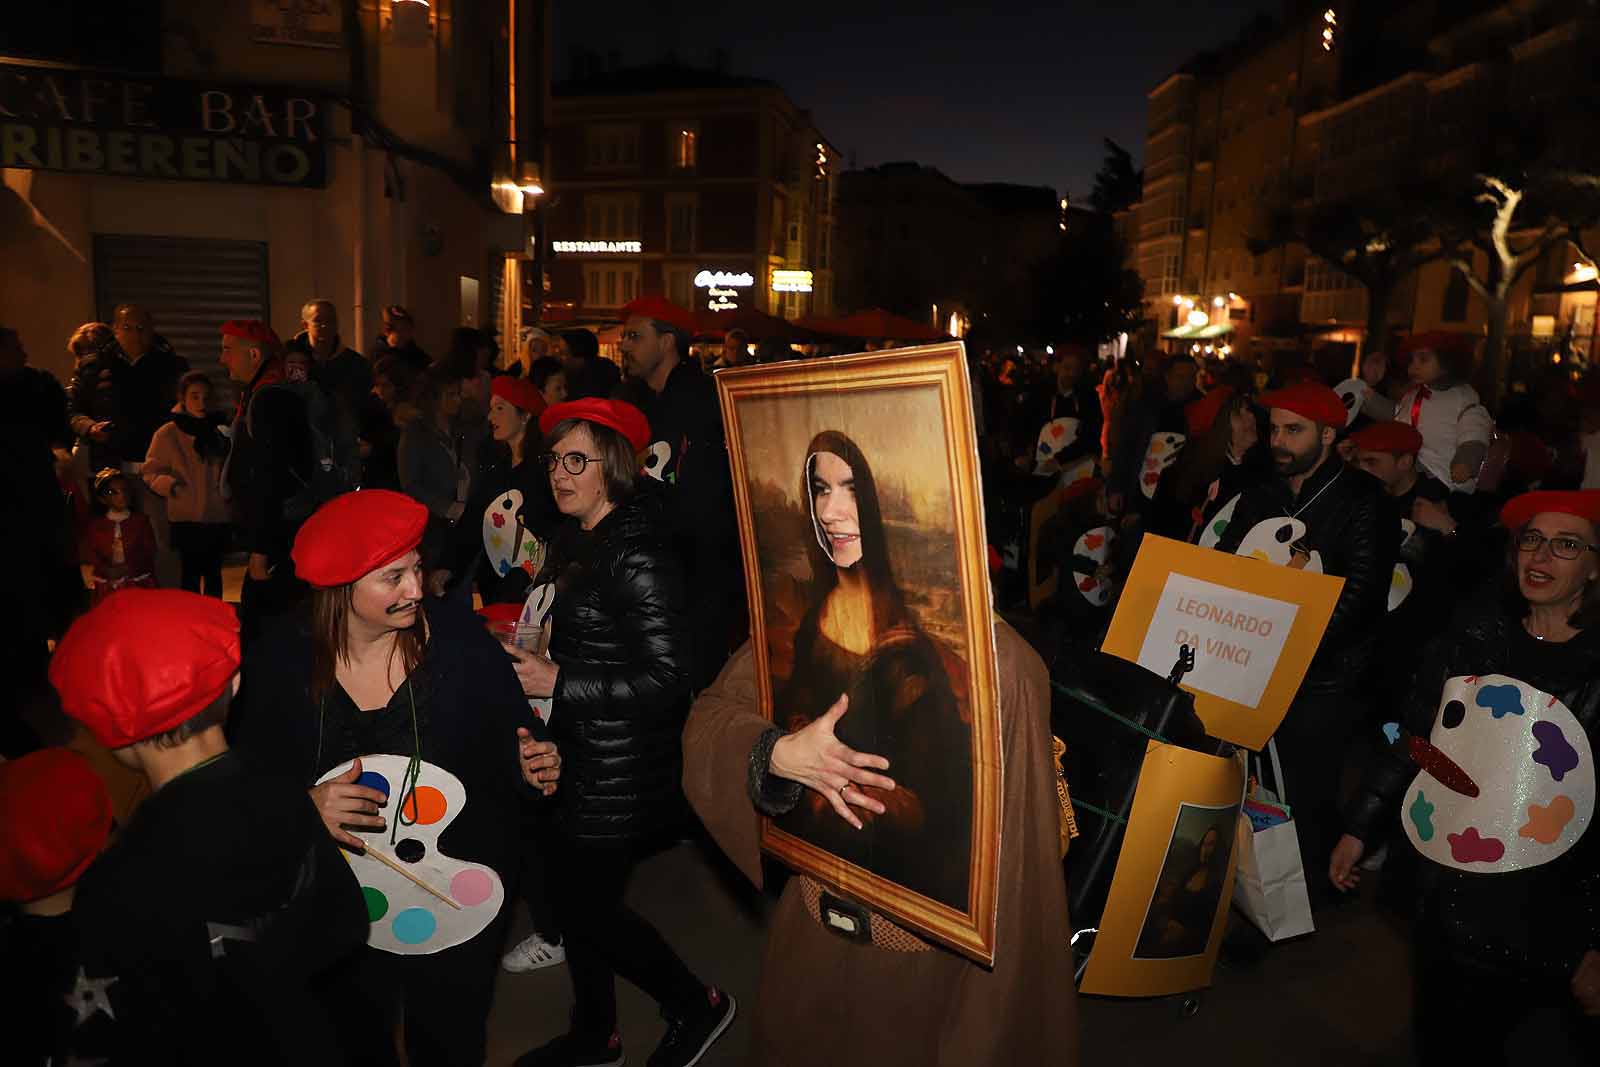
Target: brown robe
825,1000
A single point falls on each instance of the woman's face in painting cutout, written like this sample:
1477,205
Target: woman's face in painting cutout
833,500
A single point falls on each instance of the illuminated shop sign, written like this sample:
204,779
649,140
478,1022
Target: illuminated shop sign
722,287
610,247
791,281
89,123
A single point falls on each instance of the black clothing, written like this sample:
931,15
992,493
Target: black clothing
269,463
621,639
346,376
1181,520
410,355
596,377
1039,407
33,402
1535,922
690,456
209,442
1151,414
200,547
494,477
40,994
136,398
1350,524
213,910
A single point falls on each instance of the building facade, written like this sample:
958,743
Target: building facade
215,161
712,190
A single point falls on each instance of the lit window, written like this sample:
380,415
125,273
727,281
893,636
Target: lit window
686,148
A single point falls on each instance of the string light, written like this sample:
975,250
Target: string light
1330,19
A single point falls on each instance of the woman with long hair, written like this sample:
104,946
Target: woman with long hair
1494,942
858,638
373,670
1223,456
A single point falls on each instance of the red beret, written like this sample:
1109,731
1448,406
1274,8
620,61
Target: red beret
1313,400
1437,341
1201,413
356,533
622,417
251,330
661,310
1398,437
55,817
500,612
1579,503
518,392
143,661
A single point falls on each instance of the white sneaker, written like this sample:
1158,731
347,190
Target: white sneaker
533,953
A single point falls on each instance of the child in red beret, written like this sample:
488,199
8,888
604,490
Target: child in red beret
223,898
55,816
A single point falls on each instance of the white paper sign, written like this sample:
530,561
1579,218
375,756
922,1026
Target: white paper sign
1237,637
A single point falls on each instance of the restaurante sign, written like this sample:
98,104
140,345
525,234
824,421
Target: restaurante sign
88,123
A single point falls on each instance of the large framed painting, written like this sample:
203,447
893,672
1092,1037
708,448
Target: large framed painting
861,520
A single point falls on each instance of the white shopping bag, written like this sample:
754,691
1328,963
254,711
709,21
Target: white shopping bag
1270,884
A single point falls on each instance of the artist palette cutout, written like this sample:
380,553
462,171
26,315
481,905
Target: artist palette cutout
1093,546
655,460
1352,394
506,542
1273,540
1057,435
404,918
535,611
1217,525
1158,456
1507,778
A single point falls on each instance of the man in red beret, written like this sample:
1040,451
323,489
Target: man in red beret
223,898
688,453
269,464
1348,522
55,817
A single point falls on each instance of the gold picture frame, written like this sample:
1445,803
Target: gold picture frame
920,653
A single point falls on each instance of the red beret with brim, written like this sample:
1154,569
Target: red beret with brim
661,310
253,330
55,817
1398,437
518,392
145,660
1201,413
1312,400
621,416
1579,503
354,534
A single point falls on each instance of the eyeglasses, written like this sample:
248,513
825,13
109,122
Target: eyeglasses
1560,547
573,462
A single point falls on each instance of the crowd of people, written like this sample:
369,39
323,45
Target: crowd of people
188,887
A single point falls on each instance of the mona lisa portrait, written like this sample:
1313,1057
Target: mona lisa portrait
857,495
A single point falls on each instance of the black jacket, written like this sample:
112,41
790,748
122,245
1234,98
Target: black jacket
269,463
1039,406
465,555
621,639
1350,523
346,375
1537,921
136,398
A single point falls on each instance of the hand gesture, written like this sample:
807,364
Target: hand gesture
100,431
342,803
1586,983
818,760
536,673
1342,869
1432,515
540,761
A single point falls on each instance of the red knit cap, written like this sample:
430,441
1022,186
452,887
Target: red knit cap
253,330
143,661
1313,400
354,534
55,817
518,392
622,417
661,310
1201,413
1579,503
1398,437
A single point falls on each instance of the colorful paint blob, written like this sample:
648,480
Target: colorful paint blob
414,926
377,903
425,806
374,780
1555,751
471,887
410,850
1501,700
1546,821
1469,846
1422,817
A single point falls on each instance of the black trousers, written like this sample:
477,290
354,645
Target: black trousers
200,547
1311,745
535,884
441,1000
606,938
262,602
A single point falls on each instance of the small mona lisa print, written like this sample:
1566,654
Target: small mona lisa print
1189,888
858,499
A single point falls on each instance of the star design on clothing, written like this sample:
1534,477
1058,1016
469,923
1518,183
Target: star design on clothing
88,997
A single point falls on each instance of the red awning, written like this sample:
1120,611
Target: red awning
757,324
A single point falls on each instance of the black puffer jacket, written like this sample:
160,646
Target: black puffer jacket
1349,524
621,638
1537,921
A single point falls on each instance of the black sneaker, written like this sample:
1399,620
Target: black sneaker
570,1050
688,1039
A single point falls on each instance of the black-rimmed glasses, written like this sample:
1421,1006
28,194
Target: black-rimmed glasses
573,463
1560,547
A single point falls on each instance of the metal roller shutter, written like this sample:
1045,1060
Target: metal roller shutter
191,286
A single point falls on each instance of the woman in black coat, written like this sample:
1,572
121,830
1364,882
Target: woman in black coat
618,674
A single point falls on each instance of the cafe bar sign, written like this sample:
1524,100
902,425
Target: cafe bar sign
90,123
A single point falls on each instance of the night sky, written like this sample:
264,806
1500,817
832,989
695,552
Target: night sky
1023,93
